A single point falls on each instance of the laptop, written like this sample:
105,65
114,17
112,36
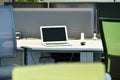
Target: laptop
54,35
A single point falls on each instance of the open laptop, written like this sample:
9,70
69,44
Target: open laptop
54,35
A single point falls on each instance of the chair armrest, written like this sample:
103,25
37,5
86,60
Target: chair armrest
26,47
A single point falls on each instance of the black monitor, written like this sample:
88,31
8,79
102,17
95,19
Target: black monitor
54,34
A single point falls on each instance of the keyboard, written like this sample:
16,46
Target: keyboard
57,44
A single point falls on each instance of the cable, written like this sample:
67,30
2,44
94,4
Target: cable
71,57
32,57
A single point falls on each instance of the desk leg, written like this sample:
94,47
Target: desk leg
86,57
26,57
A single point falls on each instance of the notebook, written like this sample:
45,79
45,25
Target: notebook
54,35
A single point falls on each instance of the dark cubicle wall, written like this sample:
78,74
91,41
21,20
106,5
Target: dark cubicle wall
108,10
77,20
72,5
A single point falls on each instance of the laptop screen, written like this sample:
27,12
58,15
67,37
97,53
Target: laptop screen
53,33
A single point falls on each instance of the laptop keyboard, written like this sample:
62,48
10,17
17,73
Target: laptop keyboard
57,44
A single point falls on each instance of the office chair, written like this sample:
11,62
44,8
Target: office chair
8,45
110,35
7,40
60,71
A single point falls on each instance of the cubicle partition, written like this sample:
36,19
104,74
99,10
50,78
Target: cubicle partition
77,20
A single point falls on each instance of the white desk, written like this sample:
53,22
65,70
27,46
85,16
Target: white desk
86,51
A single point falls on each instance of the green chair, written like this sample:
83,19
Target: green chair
110,35
60,71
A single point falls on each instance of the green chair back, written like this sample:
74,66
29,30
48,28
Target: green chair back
110,35
61,71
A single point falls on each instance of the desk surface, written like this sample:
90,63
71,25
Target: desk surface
35,44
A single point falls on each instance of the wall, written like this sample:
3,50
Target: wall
1,2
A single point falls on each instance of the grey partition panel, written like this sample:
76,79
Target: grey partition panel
7,32
77,20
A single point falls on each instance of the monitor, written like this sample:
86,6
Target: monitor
53,33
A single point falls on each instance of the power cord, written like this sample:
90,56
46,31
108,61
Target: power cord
32,58
71,58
